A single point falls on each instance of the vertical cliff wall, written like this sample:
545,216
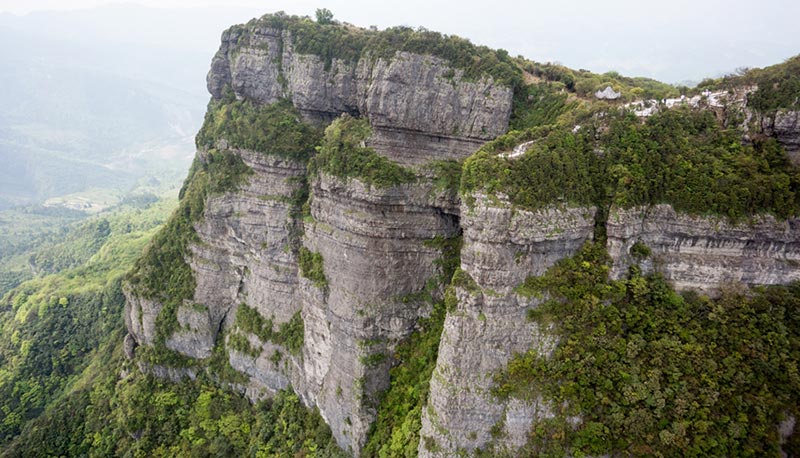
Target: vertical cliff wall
502,246
345,269
302,259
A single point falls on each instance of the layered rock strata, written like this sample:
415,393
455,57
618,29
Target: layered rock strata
502,246
418,106
701,253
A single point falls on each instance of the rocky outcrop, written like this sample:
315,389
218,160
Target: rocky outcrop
419,107
701,253
502,246
785,127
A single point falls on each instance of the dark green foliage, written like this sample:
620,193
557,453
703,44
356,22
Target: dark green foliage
653,373
640,251
51,326
680,157
778,87
312,267
289,334
162,273
395,432
344,154
331,40
145,416
42,355
270,129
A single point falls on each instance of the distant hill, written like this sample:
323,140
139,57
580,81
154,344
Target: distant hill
97,100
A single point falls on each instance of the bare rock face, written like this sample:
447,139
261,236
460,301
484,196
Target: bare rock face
419,107
701,253
373,242
502,246
785,127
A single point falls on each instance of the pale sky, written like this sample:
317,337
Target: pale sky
671,40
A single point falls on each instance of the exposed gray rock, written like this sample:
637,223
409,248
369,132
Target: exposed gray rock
502,246
129,346
701,253
785,127
373,245
419,107
140,316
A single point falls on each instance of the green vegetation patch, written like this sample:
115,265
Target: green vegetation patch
145,416
679,157
778,86
446,175
275,129
654,373
51,326
584,83
312,267
538,105
290,334
344,154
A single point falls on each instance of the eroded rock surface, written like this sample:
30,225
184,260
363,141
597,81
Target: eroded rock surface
702,253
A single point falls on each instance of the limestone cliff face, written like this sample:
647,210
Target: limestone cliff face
374,245
502,246
373,241
376,255
701,253
418,106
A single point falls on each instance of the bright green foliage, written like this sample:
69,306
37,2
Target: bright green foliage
144,416
275,129
50,326
162,273
289,334
344,154
653,373
680,157
312,267
331,40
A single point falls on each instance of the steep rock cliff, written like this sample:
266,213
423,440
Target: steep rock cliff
502,246
370,245
309,276
419,106
701,253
